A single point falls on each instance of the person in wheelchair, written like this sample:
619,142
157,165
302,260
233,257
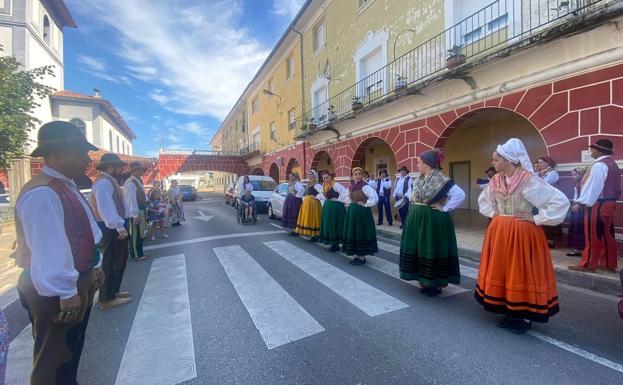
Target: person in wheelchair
248,205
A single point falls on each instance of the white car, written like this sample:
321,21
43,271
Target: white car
277,198
263,187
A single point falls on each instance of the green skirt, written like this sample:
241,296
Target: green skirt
332,222
359,231
428,251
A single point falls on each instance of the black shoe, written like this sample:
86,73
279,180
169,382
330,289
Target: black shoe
400,227
314,239
335,248
520,326
379,223
389,224
504,323
293,234
358,261
430,291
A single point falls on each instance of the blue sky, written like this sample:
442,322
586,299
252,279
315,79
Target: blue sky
174,67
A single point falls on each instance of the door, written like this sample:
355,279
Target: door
320,105
460,174
373,85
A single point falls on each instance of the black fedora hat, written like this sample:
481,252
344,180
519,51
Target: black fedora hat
109,159
603,145
136,166
403,168
60,135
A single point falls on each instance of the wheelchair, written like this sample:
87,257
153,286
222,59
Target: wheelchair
240,213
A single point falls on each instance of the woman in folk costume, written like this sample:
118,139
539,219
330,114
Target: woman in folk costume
333,197
359,228
308,222
175,199
516,276
293,202
575,236
428,251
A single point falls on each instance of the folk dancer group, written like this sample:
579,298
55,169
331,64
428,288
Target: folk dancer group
69,248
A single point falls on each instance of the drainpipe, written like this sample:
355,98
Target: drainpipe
302,92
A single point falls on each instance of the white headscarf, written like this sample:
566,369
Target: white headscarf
514,151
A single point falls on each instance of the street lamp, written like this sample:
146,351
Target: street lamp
396,40
271,93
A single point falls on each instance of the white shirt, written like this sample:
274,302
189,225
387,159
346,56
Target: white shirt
371,194
551,178
52,263
594,184
106,207
343,191
246,186
398,188
386,184
300,189
372,183
131,202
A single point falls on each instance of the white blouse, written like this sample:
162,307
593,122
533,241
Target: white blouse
593,186
551,202
300,190
338,188
551,178
246,186
373,197
456,196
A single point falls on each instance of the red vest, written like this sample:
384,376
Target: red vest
612,185
77,226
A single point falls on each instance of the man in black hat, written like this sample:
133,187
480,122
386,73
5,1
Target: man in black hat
108,205
601,188
57,246
136,201
403,184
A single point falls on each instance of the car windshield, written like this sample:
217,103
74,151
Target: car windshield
186,187
263,185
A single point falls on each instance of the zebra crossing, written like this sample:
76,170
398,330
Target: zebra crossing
162,325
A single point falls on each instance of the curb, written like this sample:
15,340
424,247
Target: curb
589,281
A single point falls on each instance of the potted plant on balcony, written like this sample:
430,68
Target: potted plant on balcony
312,124
356,104
401,82
332,113
455,57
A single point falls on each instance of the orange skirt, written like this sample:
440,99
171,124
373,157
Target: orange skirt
516,275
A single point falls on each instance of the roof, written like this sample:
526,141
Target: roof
62,12
108,107
97,155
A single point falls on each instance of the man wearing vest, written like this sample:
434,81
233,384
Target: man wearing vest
136,201
108,205
403,184
601,188
383,189
57,239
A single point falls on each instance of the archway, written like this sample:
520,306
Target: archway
375,155
274,172
257,171
472,139
293,166
322,162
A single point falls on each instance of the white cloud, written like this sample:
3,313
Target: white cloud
206,57
287,8
100,69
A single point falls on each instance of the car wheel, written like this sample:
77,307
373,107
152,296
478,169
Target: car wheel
271,214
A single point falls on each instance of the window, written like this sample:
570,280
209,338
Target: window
117,144
80,124
319,36
475,20
273,132
46,29
256,139
255,105
320,105
290,67
110,140
292,119
271,85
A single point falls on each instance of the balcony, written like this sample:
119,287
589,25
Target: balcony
200,152
489,32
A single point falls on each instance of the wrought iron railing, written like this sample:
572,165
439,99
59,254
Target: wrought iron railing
497,25
200,152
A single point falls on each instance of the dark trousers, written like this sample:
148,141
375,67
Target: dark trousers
57,348
403,211
114,261
136,239
384,202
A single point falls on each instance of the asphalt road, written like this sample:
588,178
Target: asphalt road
225,303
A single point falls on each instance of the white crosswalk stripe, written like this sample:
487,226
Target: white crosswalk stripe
367,298
276,315
162,329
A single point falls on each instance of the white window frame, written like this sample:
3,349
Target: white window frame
372,43
318,85
273,131
255,105
316,46
290,67
270,85
256,134
292,119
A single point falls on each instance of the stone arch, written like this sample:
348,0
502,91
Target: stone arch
322,162
373,155
273,172
257,171
293,165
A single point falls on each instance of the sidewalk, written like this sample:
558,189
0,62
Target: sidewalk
470,244
7,238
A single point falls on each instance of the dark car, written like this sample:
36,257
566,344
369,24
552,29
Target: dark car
229,194
189,193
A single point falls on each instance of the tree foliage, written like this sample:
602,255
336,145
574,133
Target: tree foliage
20,92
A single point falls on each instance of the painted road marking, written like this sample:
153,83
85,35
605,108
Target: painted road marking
367,298
276,315
212,238
203,217
276,225
19,358
162,329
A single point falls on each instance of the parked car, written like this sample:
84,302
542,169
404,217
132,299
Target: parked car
229,194
263,187
277,198
189,193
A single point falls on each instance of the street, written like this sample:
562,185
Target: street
226,303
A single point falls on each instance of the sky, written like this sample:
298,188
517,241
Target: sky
171,67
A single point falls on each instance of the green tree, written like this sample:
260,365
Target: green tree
19,92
